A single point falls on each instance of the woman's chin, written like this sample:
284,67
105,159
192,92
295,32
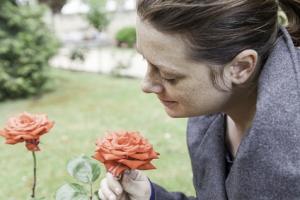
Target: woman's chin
174,113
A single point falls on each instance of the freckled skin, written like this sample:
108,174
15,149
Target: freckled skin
193,92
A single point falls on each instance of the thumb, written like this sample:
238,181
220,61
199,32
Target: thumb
136,184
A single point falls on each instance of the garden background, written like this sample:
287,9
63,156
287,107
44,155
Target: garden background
75,61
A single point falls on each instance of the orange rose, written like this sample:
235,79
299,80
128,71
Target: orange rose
26,127
119,151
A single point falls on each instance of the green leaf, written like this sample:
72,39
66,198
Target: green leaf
84,169
71,191
96,196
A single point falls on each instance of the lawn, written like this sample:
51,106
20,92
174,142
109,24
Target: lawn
84,106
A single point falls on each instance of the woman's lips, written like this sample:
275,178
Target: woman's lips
168,103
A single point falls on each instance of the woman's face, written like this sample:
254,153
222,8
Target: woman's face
183,86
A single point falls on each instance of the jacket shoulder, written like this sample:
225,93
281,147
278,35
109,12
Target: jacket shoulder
198,126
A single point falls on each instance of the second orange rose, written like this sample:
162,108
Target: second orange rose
120,151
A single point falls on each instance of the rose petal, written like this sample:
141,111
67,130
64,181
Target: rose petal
132,148
9,141
24,137
153,155
2,133
14,132
140,156
147,166
49,125
99,157
102,149
119,153
39,131
111,156
132,164
109,165
118,170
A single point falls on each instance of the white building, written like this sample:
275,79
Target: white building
80,7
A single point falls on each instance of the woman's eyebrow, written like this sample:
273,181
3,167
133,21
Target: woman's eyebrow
163,68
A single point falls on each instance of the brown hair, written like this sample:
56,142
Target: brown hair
217,30
292,10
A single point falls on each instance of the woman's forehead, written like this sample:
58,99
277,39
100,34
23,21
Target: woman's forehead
148,38
163,49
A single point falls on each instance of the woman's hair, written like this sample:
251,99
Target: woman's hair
292,9
218,30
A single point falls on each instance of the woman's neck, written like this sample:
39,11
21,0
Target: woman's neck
239,119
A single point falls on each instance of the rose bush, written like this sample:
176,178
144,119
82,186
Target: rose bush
120,151
26,127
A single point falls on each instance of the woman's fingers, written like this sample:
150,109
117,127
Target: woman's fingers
114,184
136,184
106,192
102,197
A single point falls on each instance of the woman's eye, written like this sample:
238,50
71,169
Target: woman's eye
170,80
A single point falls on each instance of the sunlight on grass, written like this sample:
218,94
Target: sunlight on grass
84,106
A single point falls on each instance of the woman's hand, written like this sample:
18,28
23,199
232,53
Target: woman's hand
134,185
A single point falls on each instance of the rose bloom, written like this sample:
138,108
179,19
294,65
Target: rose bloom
26,127
120,151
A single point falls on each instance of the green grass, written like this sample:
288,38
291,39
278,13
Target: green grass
84,106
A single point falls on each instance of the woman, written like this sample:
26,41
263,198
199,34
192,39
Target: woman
235,72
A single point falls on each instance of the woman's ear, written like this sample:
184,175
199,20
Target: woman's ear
242,67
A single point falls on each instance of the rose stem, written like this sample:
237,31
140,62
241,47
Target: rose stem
34,174
91,188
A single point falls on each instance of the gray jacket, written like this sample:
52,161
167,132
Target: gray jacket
267,164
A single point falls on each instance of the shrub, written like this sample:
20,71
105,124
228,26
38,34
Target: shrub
26,46
54,5
97,15
127,36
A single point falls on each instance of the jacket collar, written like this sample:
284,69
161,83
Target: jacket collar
273,139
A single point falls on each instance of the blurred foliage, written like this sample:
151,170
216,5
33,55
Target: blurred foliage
126,36
77,54
26,46
97,15
282,18
55,5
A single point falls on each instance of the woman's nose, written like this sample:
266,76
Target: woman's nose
149,86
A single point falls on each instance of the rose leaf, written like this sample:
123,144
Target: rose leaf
84,169
71,191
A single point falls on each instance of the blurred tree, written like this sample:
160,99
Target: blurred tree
98,15
26,47
126,36
12,1
282,18
55,5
